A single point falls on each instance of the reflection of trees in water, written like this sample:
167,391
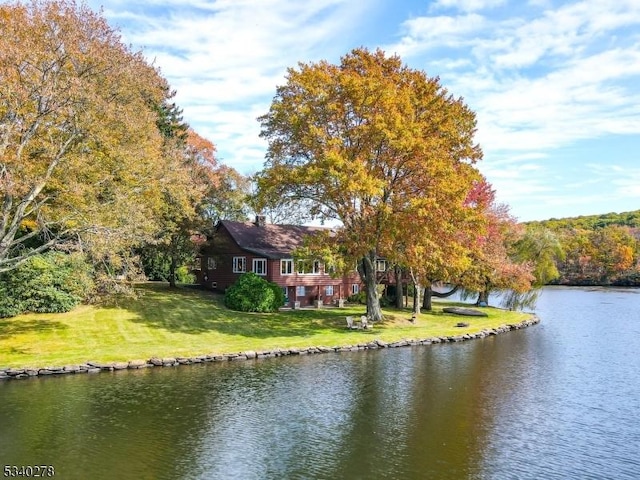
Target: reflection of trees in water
407,412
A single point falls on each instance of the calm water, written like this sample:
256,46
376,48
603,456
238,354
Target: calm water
558,400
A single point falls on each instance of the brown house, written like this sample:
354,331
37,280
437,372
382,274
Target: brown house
267,250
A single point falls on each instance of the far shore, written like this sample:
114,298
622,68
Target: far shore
164,327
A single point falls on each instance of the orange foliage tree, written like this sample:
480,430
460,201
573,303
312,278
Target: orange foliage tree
381,148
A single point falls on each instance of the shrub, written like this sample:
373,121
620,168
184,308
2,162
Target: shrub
251,293
360,297
48,283
184,275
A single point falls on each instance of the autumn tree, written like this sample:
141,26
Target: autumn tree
381,148
495,266
81,154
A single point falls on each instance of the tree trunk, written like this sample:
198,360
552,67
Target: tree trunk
426,299
368,275
416,293
416,298
483,297
172,272
399,290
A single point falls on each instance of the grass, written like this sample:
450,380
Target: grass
187,322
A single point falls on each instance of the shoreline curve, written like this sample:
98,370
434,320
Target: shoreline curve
97,367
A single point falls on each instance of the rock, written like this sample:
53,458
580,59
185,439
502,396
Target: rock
462,324
137,363
120,365
469,312
155,361
72,368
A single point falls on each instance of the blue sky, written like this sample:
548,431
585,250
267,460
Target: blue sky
555,84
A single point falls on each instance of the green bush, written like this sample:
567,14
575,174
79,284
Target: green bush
183,275
48,283
252,293
360,297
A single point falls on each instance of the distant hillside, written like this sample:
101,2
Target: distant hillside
598,249
591,222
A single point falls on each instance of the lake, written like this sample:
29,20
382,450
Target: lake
557,400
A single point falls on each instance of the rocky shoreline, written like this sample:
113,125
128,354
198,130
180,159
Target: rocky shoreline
96,367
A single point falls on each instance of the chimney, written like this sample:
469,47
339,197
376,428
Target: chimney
261,220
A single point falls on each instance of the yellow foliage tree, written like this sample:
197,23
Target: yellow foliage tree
81,155
381,148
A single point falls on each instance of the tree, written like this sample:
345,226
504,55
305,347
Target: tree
543,249
81,154
495,265
381,148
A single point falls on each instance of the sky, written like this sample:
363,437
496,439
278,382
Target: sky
555,84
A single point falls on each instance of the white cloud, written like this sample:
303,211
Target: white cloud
225,58
468,5
540,77
424,33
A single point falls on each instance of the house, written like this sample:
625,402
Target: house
267,250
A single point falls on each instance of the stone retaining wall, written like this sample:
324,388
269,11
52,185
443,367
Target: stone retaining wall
96,367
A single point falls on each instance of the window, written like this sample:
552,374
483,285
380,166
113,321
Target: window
285,290
328,291
260,266
300,291
355,288
306,267
381,265
239,264
211,263
286,267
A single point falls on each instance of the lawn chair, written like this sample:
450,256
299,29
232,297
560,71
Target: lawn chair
364,321
350,324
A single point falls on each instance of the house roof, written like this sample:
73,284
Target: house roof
269,240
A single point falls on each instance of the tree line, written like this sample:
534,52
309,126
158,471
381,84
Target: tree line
98,168
597,249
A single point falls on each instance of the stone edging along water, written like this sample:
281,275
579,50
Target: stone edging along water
96,367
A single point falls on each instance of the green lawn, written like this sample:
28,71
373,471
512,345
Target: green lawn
188,322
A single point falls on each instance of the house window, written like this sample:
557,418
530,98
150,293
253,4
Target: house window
286,267
355,289
239,264
300,291
381,265
211,263
260,266
307,267
328,291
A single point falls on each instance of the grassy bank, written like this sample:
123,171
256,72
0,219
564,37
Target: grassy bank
186,322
